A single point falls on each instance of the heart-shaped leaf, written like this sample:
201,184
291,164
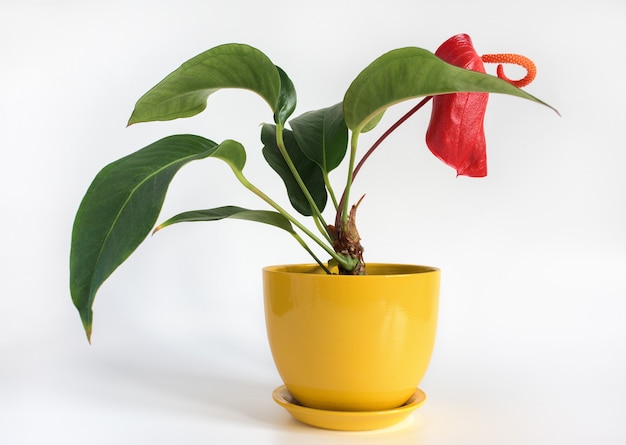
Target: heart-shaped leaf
407,73
184,92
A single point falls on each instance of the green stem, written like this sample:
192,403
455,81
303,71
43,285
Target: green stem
322,228
308,249
354,142
344,261
331,192
317,215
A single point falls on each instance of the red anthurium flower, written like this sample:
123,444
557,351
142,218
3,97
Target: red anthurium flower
455,133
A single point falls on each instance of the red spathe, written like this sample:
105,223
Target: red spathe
456,133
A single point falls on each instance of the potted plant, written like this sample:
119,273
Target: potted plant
351,340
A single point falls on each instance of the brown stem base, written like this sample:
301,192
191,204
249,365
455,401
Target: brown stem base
347,242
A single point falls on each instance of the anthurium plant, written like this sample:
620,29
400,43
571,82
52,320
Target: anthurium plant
121,206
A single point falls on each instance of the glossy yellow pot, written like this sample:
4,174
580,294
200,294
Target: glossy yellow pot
351,343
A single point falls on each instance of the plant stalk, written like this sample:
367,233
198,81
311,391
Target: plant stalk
317,215
345,198
341,260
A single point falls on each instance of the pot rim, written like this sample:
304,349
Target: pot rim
379,269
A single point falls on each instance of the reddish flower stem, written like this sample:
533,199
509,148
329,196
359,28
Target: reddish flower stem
391,129
379,141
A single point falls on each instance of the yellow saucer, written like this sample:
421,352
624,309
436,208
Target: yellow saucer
347,420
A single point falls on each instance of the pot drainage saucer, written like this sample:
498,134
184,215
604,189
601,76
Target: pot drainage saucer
347,420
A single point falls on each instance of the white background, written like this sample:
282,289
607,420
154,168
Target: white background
531,345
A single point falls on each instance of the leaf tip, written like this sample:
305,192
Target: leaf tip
131,120
87,328
86,318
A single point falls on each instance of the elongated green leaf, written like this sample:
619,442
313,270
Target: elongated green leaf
234,212
119,210
185,91
308,170
407,73
322,135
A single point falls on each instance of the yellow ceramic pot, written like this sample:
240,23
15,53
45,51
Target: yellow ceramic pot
351,343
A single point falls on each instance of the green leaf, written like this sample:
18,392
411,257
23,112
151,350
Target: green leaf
184,92
407,73
118,211
373,122
308,170
231,152
234,212
287,100
322,135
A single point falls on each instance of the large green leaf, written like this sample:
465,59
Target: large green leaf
184,92
407,73
322,135
120,209
234,212
309,171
